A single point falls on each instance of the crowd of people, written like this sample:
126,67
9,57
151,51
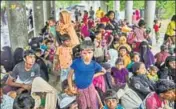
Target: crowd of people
100,62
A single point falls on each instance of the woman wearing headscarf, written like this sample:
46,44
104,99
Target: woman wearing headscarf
66,27
147,56
168,69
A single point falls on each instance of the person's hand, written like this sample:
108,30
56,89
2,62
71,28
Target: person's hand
27,87
73,90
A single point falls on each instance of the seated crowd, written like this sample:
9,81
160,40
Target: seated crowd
107,64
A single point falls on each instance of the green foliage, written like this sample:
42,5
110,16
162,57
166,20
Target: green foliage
167,7
64,4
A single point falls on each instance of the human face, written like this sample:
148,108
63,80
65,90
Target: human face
111,103
67,42
123,52
136,58
120,65
172,64
153,72
38,54
169,95
142,69
51,23
111,16
29,61
87,55
49,45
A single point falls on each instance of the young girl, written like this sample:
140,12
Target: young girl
119,73
156,27
123,53
123,42
152,75
135,57
84,70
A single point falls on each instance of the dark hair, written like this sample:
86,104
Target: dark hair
155,20
164,47
87,45
100,26
65,37
38,50
110,12
134,54
164,85
173,18
119,60
64,84
110,94
49,41
123,47
24,101
28,52
51,19
141,23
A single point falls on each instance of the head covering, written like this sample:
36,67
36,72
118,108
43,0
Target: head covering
122,40
66,101
169,59
136,66
164,85
110,94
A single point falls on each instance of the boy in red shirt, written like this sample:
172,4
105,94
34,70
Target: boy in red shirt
156,27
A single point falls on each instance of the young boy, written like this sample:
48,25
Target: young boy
64,57
111,100
84,69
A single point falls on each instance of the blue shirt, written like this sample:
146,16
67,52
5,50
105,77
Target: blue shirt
84,73
118,107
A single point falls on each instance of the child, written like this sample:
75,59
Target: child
135,57
123,42
156,27
90,23
152,75
24,101
82,68
162,55
99,51
52,27
113,55
123,53
119,73
111,100
50,49
64,57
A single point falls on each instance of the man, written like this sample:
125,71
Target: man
99,13
23,74
91,12
76,14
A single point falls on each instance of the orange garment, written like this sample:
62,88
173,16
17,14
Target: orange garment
67,27
64,56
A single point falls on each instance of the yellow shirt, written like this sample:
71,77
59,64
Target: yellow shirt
99,13
170,28
127,60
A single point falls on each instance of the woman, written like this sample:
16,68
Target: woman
112,25
171,29
146,54
168,69
66,27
